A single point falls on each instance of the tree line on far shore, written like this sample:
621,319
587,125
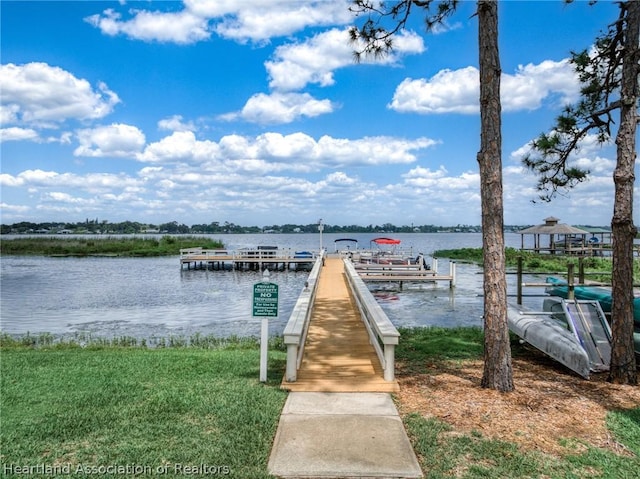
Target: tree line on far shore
216,227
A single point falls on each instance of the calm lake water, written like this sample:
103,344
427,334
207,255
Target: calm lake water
154,297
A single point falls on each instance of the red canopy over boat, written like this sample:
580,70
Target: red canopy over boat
385,241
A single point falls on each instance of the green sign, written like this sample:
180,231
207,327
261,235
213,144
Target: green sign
265,299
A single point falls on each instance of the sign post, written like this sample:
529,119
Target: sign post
265,305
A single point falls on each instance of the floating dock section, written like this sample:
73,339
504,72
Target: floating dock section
407,271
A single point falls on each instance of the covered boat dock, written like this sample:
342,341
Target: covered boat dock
554,237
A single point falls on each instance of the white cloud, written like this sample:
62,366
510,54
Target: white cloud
38,94
424,177
92,182
278,146
175,123
8,113
115,140
62,197
314,60
440,184
457,91
264,19
176,27
180,146
277,152
531,84
10,180
169,190
446,92
241,21
377,150
596,165
278,108
14,209
17,134
340,178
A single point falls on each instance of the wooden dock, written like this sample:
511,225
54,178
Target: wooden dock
407,273
338,356
251,259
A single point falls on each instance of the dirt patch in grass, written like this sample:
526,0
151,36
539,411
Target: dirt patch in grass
552,410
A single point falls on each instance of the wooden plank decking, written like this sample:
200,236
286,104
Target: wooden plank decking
337,355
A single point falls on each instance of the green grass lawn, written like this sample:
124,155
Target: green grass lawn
104,410
164,411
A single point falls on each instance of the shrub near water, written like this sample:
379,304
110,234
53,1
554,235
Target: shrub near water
112,246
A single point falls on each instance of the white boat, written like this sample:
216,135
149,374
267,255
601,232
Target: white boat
574,333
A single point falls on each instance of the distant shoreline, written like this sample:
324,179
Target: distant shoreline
144,246
134,246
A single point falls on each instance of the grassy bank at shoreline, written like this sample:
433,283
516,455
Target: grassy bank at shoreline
598,268
531,261
202,407
107,246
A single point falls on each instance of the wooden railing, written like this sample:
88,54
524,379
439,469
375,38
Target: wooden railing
295,332
383,335
208,253
243,254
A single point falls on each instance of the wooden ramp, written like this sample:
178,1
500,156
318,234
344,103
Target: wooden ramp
337,355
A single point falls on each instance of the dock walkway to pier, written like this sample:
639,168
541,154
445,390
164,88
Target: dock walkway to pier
339,353
339,419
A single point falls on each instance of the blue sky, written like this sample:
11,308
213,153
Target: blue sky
254,112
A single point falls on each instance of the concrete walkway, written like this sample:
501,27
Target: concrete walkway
342,435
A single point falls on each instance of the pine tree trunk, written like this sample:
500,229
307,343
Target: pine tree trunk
498,373
623,362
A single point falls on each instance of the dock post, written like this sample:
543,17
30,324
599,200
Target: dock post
570,281
292,363
581,270
519,286
389,362
452,273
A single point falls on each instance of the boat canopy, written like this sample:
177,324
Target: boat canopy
346,240
385,241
